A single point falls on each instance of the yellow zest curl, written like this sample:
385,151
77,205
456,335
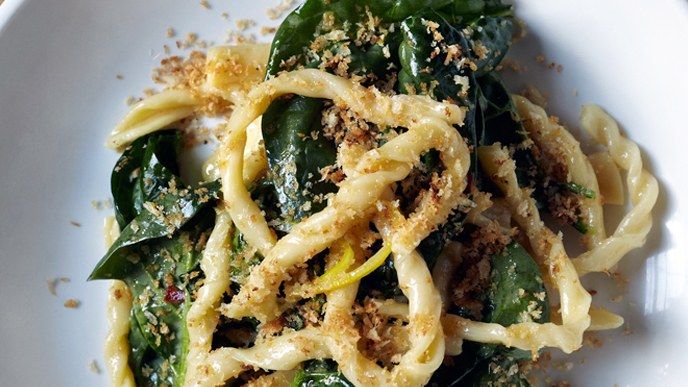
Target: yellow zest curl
337,277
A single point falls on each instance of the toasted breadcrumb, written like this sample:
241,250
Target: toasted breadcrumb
131,100
383,338
591,340
535,96
244,24
205,4
265,30
279,10
170,32
627,330
513,65
236,37
474,271
541,59
53,282
72,303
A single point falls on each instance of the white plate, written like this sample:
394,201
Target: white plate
59,97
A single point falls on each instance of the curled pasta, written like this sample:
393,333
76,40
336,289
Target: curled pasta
429,124
232,70
608,177
555,140
550,254
642,191
364,196
151,114
430,127
118,308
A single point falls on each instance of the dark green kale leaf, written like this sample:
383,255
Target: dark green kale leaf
154,195
299,28
162,285
320,373
295,157
502,124
427,69
123,182
516,294
158,219
517,291
497,371
382,282
151,158
166,226
242,258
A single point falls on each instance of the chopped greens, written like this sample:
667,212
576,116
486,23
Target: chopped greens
580,190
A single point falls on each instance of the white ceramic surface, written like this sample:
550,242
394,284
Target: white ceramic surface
59,97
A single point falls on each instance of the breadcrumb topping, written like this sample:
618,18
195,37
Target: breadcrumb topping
72,303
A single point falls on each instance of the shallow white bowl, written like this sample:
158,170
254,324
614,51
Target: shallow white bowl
59,97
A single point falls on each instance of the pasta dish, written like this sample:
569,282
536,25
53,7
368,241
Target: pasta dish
372,214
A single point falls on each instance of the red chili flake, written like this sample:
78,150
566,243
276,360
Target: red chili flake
592,292
174,295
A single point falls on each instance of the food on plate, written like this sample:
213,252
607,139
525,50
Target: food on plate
371,214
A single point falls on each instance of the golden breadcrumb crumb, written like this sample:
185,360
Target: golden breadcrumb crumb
72,303
279,10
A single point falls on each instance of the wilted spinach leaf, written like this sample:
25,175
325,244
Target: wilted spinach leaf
295,157
320,373
166,226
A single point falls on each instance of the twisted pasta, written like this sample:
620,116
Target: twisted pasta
367,195
554,139
118,307
642,191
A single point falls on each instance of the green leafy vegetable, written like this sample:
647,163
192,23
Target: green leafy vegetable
497,371
425,71
125,191
516,294
165,226
158,219
162,285
160,203
297,150
582,227
242,258
580,190
295,157
320,373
